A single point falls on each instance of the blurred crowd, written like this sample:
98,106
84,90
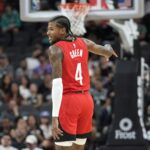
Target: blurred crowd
25,80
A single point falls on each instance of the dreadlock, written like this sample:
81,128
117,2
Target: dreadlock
62,21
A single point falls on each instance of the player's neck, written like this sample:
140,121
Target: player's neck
69,37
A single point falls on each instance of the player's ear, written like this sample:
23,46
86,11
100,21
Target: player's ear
63,31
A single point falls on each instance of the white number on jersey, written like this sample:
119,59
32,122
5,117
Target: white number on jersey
78,74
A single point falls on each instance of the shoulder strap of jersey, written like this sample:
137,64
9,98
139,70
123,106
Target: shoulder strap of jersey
60,44
82,41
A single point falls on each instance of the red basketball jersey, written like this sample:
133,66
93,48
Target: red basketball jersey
75,75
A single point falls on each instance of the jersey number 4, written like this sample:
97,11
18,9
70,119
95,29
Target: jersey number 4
78,74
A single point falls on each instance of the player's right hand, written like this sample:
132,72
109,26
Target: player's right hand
112,52
56,132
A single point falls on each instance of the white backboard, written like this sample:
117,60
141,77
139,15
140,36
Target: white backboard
97,11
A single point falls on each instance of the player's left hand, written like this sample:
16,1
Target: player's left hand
56,132
112,52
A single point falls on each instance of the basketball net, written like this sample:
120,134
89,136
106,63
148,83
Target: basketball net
76,13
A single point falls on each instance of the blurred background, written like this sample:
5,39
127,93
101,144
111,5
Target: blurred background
25,77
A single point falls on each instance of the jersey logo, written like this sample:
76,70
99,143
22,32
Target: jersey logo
74,45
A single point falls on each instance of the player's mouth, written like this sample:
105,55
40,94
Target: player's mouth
50,39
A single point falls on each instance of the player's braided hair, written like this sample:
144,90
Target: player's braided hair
63,21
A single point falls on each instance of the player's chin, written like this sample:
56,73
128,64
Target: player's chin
51,40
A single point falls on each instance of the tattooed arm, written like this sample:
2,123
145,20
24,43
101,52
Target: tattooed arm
107,52
56,56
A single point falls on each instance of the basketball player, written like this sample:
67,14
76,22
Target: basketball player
72,104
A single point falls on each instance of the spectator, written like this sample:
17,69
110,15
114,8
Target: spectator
6,143
6,126
22,70
48,144
10,20
12,112
98,92
9,67
45,124
5,67
31,142
92,31
109,85
5,87
24,87
106,67
15,94
96,73
44,67
105,116
142,31
35,98
33,128
44,39
19,133
33,62
45,88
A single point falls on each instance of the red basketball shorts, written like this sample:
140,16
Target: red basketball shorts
75,116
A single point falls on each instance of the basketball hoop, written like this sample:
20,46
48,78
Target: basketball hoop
76,13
